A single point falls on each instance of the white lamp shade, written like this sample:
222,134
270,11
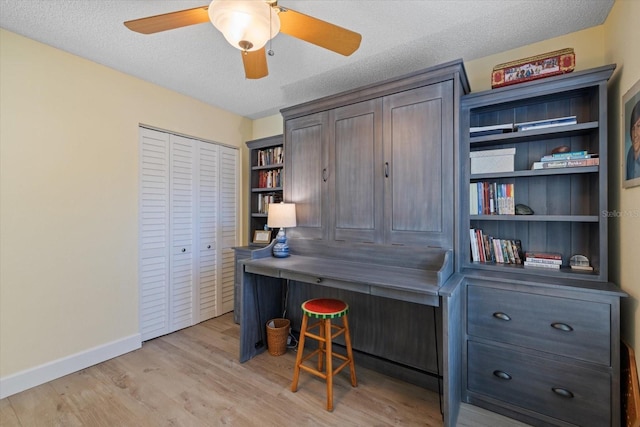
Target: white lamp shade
281,215
247,25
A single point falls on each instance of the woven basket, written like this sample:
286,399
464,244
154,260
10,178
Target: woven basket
277,333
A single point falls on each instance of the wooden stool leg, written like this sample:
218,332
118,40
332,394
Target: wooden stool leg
329,363
321,347
296,369
347,340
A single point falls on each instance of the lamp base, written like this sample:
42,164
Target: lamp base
281,248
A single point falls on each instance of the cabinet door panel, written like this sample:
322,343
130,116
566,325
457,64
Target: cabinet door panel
418,139
306,174
357,168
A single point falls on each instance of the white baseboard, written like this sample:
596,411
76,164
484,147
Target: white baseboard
32,377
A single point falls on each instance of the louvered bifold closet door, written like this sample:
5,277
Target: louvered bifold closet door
182,215
154,252
208,207
228,197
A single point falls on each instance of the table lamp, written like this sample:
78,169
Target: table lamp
281,215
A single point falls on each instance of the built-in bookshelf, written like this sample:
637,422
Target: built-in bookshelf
568,202
266,163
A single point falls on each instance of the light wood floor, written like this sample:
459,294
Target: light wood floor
193,378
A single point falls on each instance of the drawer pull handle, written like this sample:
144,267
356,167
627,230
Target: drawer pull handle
501,316
184,250
562,392
562,327
502,375
319,280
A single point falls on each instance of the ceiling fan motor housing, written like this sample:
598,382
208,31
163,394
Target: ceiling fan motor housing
247,25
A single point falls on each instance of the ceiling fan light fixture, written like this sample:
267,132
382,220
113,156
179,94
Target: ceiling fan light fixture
246,24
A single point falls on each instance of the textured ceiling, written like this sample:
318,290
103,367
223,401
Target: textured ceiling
398,37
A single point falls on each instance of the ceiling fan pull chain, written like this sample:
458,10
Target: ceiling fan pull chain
270,52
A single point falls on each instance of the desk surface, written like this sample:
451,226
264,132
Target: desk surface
409,284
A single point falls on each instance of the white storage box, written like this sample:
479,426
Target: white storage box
489,161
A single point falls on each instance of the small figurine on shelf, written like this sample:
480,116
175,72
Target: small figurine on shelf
580,262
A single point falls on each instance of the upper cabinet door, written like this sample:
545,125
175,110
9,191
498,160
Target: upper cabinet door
419,168
357,171
307,174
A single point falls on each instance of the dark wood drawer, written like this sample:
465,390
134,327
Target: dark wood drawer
562,391
567,327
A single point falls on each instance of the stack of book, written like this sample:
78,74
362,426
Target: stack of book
491,198
485,248
543,260
567,160
490,130
547,123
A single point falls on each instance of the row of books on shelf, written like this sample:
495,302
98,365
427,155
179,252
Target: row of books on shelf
522,126
491,198
270,178
485,248
570,159
271,156
264,200
489,249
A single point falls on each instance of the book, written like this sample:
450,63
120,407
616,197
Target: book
540,265
543,260
547,123
544,255
490,130
565,164
567,156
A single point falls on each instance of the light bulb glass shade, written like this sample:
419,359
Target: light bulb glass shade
281,215
247,25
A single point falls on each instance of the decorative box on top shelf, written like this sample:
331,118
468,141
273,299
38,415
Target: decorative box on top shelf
533,68
492,161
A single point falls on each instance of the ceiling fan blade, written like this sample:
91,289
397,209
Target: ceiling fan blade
255,64
318,32
169,21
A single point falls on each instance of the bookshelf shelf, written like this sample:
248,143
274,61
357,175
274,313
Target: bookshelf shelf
534,135
537,218
534,173
266,190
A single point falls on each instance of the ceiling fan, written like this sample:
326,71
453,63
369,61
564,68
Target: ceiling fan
249,24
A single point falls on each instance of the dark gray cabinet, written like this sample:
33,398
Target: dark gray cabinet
306,174
541,344
377,165
544,352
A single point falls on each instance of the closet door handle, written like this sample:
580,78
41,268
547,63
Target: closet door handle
562,327
502,375
562,392
324,175
502,316
386,169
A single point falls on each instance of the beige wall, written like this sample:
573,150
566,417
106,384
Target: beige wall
68,184
69,196
622,35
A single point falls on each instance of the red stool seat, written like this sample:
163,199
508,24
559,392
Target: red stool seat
324,309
